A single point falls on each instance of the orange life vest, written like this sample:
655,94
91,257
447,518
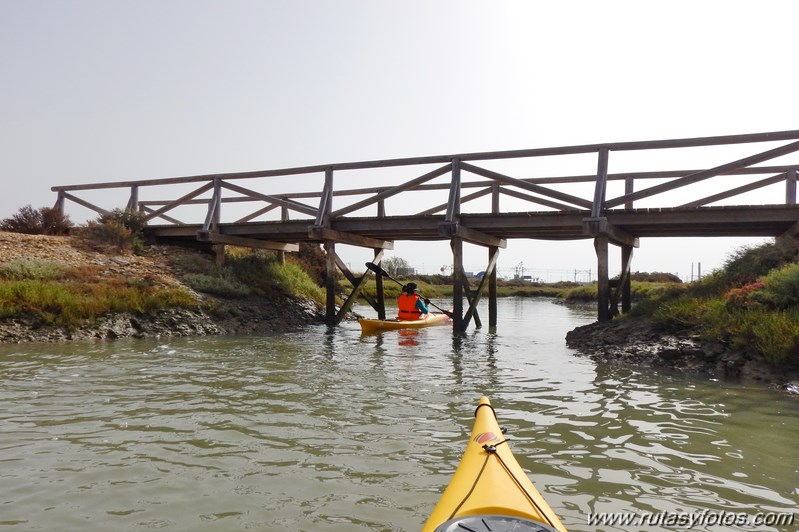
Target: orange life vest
407,307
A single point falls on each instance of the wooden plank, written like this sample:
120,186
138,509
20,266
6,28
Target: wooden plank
322,233
490,268
471,299
258,213
290,204
387,193
534,199
180,201
358,284
464,199
705,174
792,231
538,189
735,191
600,226
218,238
164,216
470,235
75,199
444,159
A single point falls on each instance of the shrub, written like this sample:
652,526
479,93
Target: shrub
749,263
681,313
740,297
312,259
119,228
776,336
220,282
582,293
44,221
655,277
26,269
779,289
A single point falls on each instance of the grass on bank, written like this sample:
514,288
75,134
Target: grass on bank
751,303
68,296
246,273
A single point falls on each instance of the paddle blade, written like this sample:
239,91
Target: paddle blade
377,269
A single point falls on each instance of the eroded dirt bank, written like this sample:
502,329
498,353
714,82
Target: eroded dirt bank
636,342
159,265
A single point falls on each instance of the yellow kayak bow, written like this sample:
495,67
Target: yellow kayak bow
490,490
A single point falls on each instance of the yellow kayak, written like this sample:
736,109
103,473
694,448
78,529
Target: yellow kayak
489,490
430,320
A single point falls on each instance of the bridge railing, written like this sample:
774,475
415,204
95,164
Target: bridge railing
455,182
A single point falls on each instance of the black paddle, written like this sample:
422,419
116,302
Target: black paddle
380,271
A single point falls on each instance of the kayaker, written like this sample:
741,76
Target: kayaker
410,303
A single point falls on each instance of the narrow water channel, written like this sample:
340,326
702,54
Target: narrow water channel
326,429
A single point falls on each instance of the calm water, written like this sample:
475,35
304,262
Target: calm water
328,430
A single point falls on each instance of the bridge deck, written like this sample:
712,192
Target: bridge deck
751,221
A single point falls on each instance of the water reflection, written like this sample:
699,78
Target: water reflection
325,429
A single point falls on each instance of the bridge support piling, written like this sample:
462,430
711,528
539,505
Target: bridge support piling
457,284
330,282
381,297
626,284
493,251
603,280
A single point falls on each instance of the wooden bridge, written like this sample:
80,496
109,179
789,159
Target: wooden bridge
560,193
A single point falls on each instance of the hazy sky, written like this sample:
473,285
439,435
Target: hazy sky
116,90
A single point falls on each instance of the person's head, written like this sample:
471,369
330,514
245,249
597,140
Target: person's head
411,288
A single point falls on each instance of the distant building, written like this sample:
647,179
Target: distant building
406,272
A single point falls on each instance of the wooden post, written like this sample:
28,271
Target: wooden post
603,280
492,290
59,202
218,203
629,188
492,279
133,202
601,184
626,263
325,200
219,254
381,296
284,216
454,202
457,284
790,187
330,282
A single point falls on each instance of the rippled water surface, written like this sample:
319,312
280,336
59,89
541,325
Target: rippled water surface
330,430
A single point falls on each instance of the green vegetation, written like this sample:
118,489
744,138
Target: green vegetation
753,302
250,273
58,295
68,296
